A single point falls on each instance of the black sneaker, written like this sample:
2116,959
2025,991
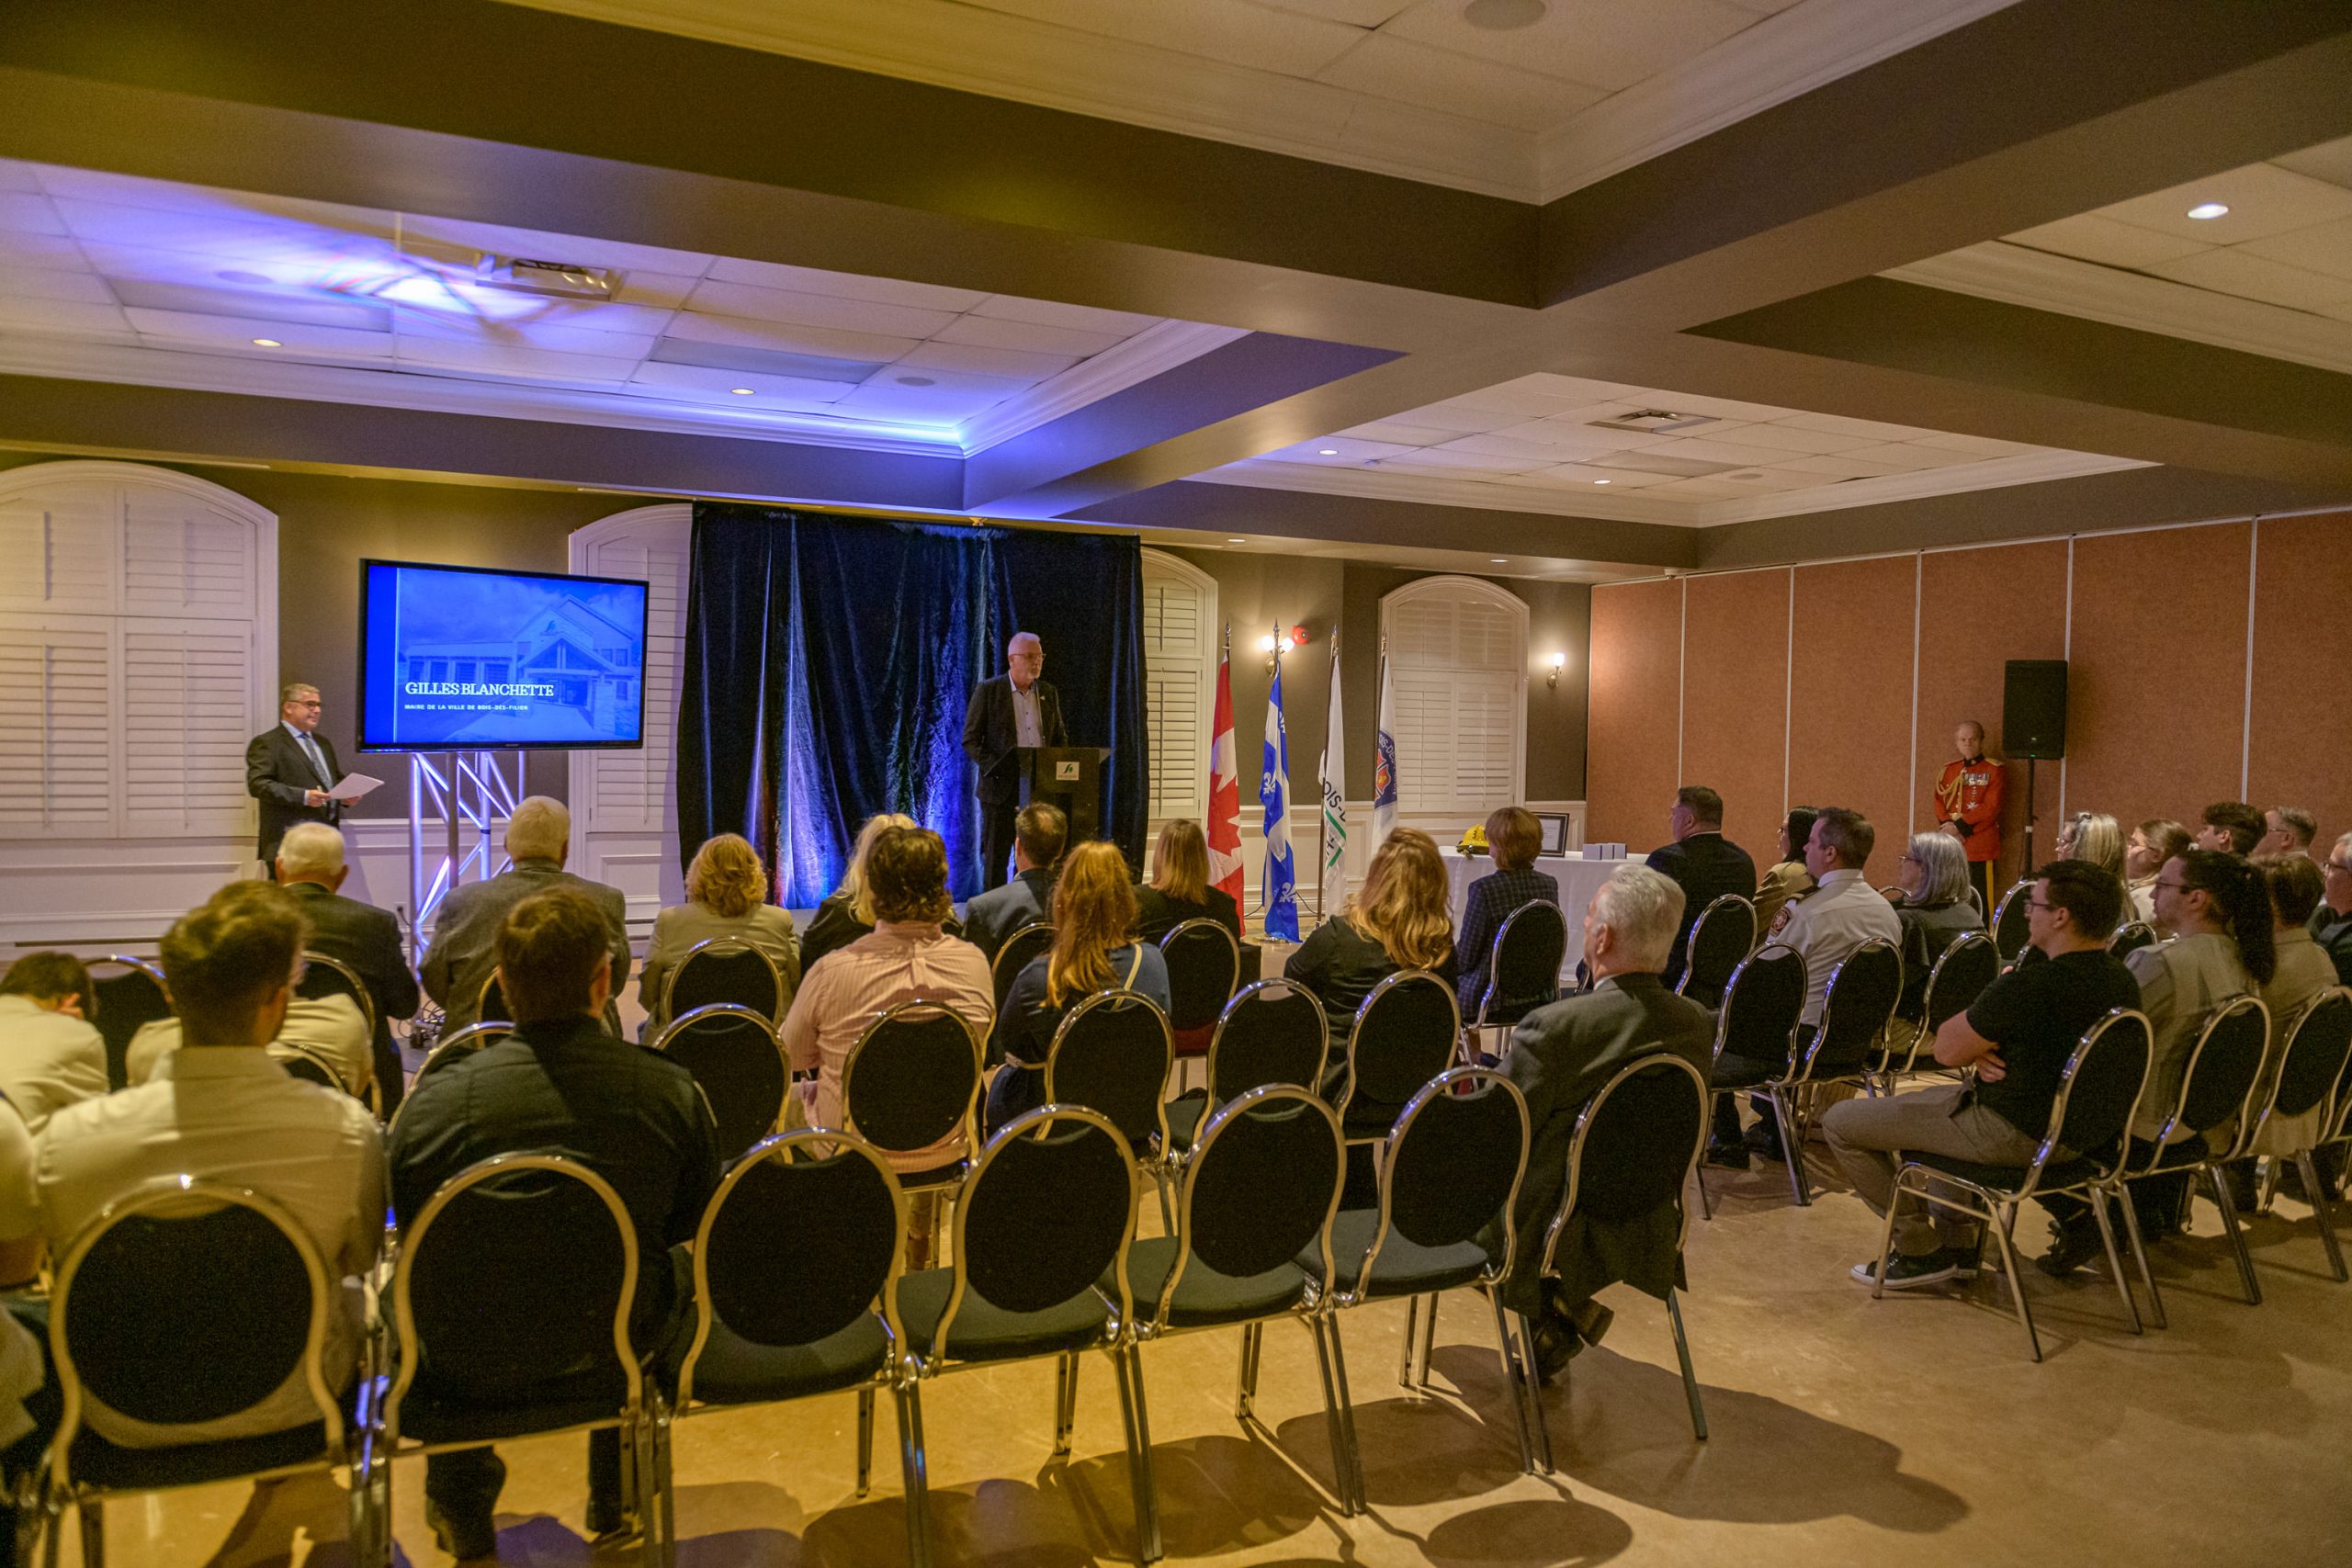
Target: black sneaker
1906,1271
467,1541
2071,1247
1727,1156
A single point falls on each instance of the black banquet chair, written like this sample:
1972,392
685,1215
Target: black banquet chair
724,969
1045,1220
324,976
2130,937
1203,965
129,997
1523,969
733,1054
1031,942
1724,935
1112,1054
2309,1067
1961,974
1404,1036
187,1301
1274,1032
1862,992
2098,1094
913,1080
797,1264
2008,925
1758,1022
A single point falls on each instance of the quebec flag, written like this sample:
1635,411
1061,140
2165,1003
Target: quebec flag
1281,883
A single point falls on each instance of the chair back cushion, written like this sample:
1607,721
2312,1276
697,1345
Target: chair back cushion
800,1243
2227,1060
1763,1004
2101,1082
1112,1055
1456,1161
1404,1036
1862,993
125,1002
309,1069
1635,1140
1959,977
910,1080
1030,941
732,1055
1723,934
1044,1217
1261,1181
2315,1053
1274,1032
1203,961
1525,971
716,972
2011,931
2134,936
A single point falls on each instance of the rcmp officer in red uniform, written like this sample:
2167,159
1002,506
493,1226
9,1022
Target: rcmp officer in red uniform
1968,807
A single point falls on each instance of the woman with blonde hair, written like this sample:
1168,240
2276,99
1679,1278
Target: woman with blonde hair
726,896
2095,836
1397,920
1095,950
847,912
1179,889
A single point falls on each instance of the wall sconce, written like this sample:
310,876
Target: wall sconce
1559,662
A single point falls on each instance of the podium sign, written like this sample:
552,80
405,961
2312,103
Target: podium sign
1069,777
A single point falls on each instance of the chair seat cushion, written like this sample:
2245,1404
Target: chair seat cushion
736,1371
982,1332
101,1463
2056,1176
1204,1296
1403,1269
1185,1114
1194,1041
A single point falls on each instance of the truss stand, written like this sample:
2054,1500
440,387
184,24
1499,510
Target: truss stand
473,795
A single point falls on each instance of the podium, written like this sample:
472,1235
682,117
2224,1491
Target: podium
1069,777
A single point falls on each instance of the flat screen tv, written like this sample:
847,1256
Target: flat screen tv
461,659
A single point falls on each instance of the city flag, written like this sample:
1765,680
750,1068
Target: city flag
1384,767
1332,772
1225,788
1280,917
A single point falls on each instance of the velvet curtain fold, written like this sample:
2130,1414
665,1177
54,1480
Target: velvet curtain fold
829,661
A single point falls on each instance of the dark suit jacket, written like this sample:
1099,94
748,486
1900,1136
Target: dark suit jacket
369,940
1560,1056
991,734
1705,866
1157,914
995,915
277,774
460,958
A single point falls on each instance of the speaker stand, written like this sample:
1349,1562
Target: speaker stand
2027,869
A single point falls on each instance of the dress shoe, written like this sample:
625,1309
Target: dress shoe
1728,1157
1555,1344
2071,1247
466,1540
1911,1271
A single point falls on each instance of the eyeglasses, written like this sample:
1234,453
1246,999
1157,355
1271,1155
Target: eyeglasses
2344,866
2175,886
2032,903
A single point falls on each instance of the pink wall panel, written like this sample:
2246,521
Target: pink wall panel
1735,703
1636,679
2156,678
1849,721
1978,609
2303,668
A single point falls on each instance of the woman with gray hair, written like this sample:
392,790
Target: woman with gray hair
1935,910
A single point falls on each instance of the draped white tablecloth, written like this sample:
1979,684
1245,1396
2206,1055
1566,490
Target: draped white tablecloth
1578,879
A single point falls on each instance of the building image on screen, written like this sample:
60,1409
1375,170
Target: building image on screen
460,659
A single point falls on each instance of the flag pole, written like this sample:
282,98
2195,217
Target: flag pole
1323,832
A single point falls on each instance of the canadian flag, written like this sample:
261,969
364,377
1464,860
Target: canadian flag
1225,786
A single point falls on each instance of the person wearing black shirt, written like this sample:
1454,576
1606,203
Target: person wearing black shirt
1038,830
1179,889
1702,863
560,1085
2019,1035
1397,920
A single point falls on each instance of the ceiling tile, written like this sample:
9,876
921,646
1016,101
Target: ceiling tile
941,405
540,245
2254,277
742,300
2330,160
1576,390
1699,489
188,328
1492,446
1842,466
27,213
238,238
1007,363
1839,424
1605,479
1707,451
14,175
1771,481
58,251
1447,457
58,317
1120,324
1659,463
1902,454
1406,434
989,332
1975,445
655,290
1338,452
2326,248
2091,237
1387,66
410,324
2262,200
699,383
1567,440
1355,13
1233,31
1795,438
37,282
1603,43
844,285
505,359
789,337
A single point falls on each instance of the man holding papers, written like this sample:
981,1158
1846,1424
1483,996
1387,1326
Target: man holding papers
292,770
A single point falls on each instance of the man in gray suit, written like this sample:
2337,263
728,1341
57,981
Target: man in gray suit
539,837
1561,1055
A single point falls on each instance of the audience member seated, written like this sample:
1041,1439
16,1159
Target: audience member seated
2152,844
1179,889
465,933
360,936
2292,882
2018,1034
1702,861
2331,923
1786,878
1095,950
1842,912
2215,913
908,955
20,1239
331,1028
1397,920
51,1056
2232,827
2093,836
1514,838
1560,1056
225,1112
846,913
1935,912
561,1082
726,896
1038,831
2288,831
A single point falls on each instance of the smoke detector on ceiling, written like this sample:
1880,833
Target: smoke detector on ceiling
1652,421
561,280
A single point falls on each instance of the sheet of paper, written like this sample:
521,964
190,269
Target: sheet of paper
353,786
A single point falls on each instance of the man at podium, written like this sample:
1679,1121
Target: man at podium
1007,712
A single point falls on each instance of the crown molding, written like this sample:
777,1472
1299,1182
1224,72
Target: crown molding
1994,473
1156,348
2015,275
1780,58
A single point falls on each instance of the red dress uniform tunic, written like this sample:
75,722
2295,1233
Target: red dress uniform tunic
1969,794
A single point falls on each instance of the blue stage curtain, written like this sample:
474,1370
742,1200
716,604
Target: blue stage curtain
829,661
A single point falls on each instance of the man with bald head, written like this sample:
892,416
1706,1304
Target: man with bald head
1006,712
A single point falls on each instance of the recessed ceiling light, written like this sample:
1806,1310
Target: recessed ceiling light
1237,541
1600,481
1327,452
740,391
915,380
2204,209
1499,560
267,342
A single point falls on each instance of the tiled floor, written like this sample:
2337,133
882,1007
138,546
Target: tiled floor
1911,1431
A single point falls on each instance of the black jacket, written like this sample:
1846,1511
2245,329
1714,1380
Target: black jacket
995,915
368,941
1157,914
991,734
277,775
1705,866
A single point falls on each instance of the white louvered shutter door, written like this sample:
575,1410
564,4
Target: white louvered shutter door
638,789
1455,654
187,710
58,545
57,721
1176,655
181,556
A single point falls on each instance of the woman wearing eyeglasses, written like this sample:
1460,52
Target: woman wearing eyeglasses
1935,910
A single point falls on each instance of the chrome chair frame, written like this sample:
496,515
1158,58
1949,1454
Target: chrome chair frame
1884,1079
1495,956
1791,1095
1155,1161
727,947
2330,1107
1722,1037
2122,944
2010,940
678,1026
950,1187
1718,908
1397,981
312,1055
358,988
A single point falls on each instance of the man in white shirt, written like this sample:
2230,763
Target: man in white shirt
227,1112
329,1028
1841,913
50,1054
